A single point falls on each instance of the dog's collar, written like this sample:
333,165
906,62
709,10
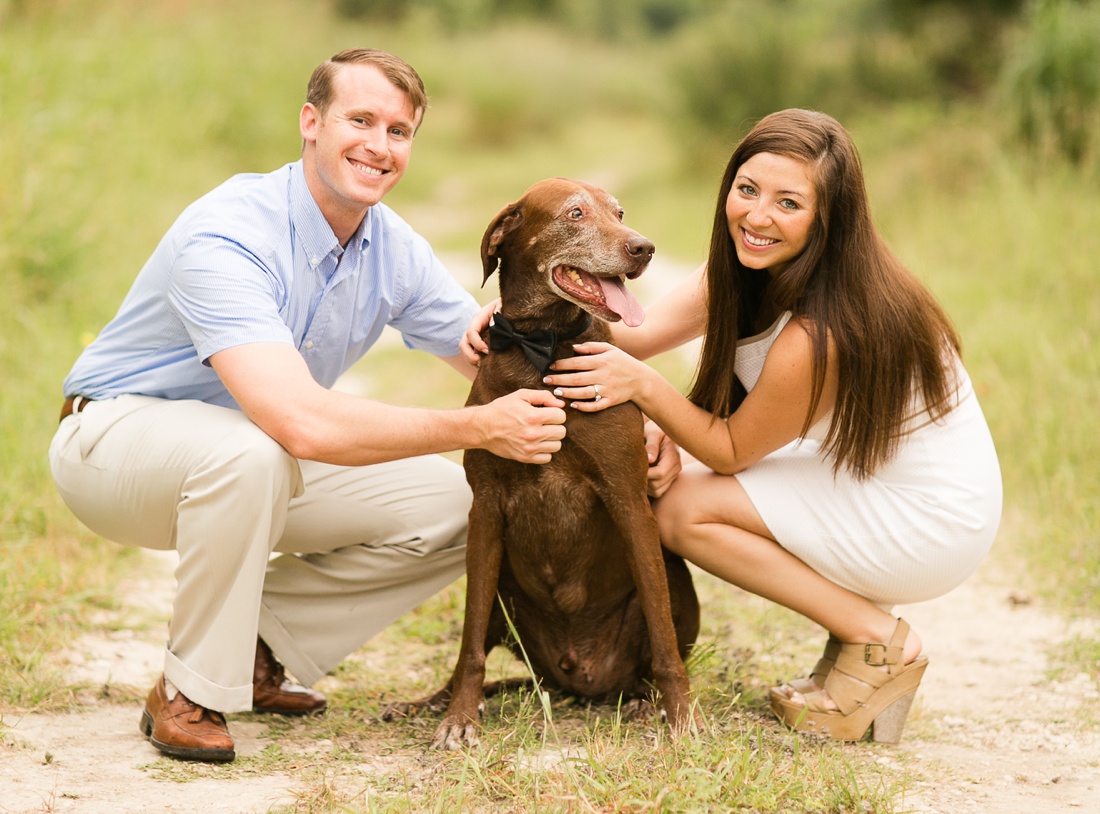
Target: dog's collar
538,345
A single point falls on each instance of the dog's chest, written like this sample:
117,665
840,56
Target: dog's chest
561,543
562,546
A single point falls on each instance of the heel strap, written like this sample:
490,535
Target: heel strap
878,654
857,674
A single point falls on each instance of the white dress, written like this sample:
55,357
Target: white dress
914,530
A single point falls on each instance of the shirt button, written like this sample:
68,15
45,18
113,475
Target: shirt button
314,261
309,344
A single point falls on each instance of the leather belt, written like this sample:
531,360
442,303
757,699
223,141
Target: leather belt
73,404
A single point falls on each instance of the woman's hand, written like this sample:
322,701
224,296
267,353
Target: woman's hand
599,376
664,460
472,346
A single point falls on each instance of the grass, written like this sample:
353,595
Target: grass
117,117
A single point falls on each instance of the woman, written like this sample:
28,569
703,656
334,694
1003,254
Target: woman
842,462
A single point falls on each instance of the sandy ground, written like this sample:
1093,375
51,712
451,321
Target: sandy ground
990,732
993,733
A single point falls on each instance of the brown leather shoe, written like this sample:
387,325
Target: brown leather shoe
182,729
272,692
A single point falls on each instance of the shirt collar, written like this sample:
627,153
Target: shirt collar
317,237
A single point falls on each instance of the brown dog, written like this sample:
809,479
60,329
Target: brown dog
570,547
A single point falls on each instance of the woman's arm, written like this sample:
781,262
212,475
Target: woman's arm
673,320
771,416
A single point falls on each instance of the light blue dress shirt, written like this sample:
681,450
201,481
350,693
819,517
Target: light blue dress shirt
255,261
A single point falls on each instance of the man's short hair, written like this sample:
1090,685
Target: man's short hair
400,73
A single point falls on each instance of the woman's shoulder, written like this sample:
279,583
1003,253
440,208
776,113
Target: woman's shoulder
786,343
796,333
767,337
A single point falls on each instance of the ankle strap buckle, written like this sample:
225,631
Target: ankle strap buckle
871,658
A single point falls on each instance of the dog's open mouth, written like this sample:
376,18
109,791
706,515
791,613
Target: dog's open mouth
606,294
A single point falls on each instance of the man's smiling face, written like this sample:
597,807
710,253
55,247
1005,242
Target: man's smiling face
357,150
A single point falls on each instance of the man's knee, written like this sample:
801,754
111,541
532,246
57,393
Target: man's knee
254,465
449,516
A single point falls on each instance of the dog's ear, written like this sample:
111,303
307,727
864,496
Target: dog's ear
507,221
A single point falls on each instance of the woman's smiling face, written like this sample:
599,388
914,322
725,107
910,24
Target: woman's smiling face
770,209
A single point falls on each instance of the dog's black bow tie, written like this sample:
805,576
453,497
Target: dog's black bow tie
538,346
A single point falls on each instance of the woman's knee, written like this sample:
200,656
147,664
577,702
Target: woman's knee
701,498
677,512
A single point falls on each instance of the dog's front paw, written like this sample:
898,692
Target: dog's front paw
683,719
454,734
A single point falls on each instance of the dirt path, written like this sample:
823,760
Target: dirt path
994,735
990,732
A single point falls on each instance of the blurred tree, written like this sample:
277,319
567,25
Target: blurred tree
962,40
747,59
381,10
1051,80
605,19
625,19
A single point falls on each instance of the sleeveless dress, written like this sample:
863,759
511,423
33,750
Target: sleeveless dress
918,527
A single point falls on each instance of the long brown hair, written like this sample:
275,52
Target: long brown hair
892,337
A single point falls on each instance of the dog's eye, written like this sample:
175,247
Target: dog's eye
576,213
621,213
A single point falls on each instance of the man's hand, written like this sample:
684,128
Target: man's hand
664,460
472,346
526,426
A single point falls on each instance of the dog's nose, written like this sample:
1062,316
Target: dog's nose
638,246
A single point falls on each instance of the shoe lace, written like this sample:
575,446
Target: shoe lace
198,712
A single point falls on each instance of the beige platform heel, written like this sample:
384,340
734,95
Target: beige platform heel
866,697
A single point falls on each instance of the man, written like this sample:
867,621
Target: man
202,419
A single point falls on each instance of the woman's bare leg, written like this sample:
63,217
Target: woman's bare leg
709,520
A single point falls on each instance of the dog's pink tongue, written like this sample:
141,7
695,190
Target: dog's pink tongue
621,301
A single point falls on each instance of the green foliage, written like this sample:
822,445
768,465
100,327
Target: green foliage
961,41
552,88
1079,654
605,19
748,59
1052,81
116,115
109,130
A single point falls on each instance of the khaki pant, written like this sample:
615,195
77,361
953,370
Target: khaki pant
357,546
